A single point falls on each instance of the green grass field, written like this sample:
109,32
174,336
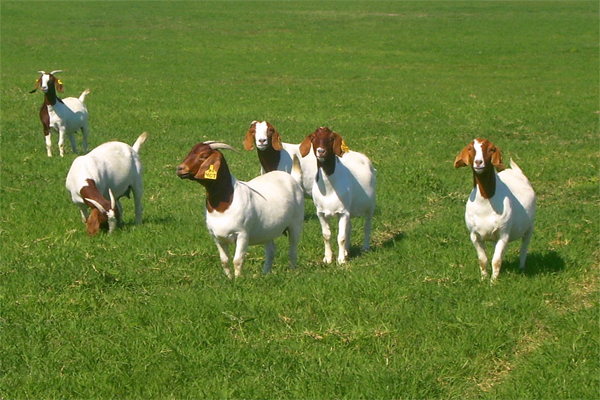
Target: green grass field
147,313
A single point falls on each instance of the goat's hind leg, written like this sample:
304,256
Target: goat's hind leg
524,248
269,256
294,234
367,230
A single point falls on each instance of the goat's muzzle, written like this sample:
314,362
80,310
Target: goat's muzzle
183,172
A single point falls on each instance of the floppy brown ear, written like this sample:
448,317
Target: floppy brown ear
37,85
497,159
59,85
249,140
276,140
464,158
305,145
93,222
210,166
337,144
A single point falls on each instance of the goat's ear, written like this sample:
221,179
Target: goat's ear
249,140
59,85
337,144
93,222
276,140
37,85
210,167
464,158
305,145
497,159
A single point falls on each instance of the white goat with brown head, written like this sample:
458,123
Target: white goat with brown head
245,213
344,186
501,207
110,171
66,116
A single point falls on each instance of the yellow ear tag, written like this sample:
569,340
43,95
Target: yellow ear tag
60,82
344,147
210,173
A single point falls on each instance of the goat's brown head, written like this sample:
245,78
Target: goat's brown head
48,82
105,216
481,155
325,144
262,134
204,162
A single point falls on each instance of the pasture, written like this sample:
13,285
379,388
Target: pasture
148,313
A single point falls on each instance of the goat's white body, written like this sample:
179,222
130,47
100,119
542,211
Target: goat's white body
261,210
113,165
507,216
347,193
68,116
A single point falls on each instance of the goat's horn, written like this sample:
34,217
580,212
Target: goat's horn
41,72
55,72
112,199
219,145
97,205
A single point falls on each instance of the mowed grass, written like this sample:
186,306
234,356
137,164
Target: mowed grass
147,312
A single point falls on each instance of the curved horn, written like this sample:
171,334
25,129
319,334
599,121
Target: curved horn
219,145
56,71
97,205
112,199
42,72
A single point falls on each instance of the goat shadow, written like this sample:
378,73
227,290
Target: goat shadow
388,242
538,264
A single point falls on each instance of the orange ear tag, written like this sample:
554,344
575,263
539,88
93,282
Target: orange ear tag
344,147
210,173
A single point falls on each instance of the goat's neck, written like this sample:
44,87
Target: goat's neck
219,192
50,97
269,158
328,165
485,182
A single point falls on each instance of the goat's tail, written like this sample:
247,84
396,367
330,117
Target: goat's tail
82,96
296,170
139,142
513,165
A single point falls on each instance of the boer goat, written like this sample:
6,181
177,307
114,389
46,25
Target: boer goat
245,213
112,170
275,155
344,186
66,116
501,207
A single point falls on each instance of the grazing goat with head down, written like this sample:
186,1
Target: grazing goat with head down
501,207
245,213
66,116
275,155
111,170
344,186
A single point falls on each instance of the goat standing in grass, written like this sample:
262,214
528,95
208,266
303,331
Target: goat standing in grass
344,186
246,213
501,207
111,170
66,116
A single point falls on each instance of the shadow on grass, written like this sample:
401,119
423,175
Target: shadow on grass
538,264
389,240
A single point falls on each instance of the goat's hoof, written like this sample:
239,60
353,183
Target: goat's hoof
327,260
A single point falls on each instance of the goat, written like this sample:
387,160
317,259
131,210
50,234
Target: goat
245,213
112,170
275,155
66,116
344,186
501,207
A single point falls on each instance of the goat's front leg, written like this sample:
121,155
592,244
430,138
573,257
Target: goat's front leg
326,230
480,248
241,246
345,228
224,255
498,256
61,141
269,256
48,143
